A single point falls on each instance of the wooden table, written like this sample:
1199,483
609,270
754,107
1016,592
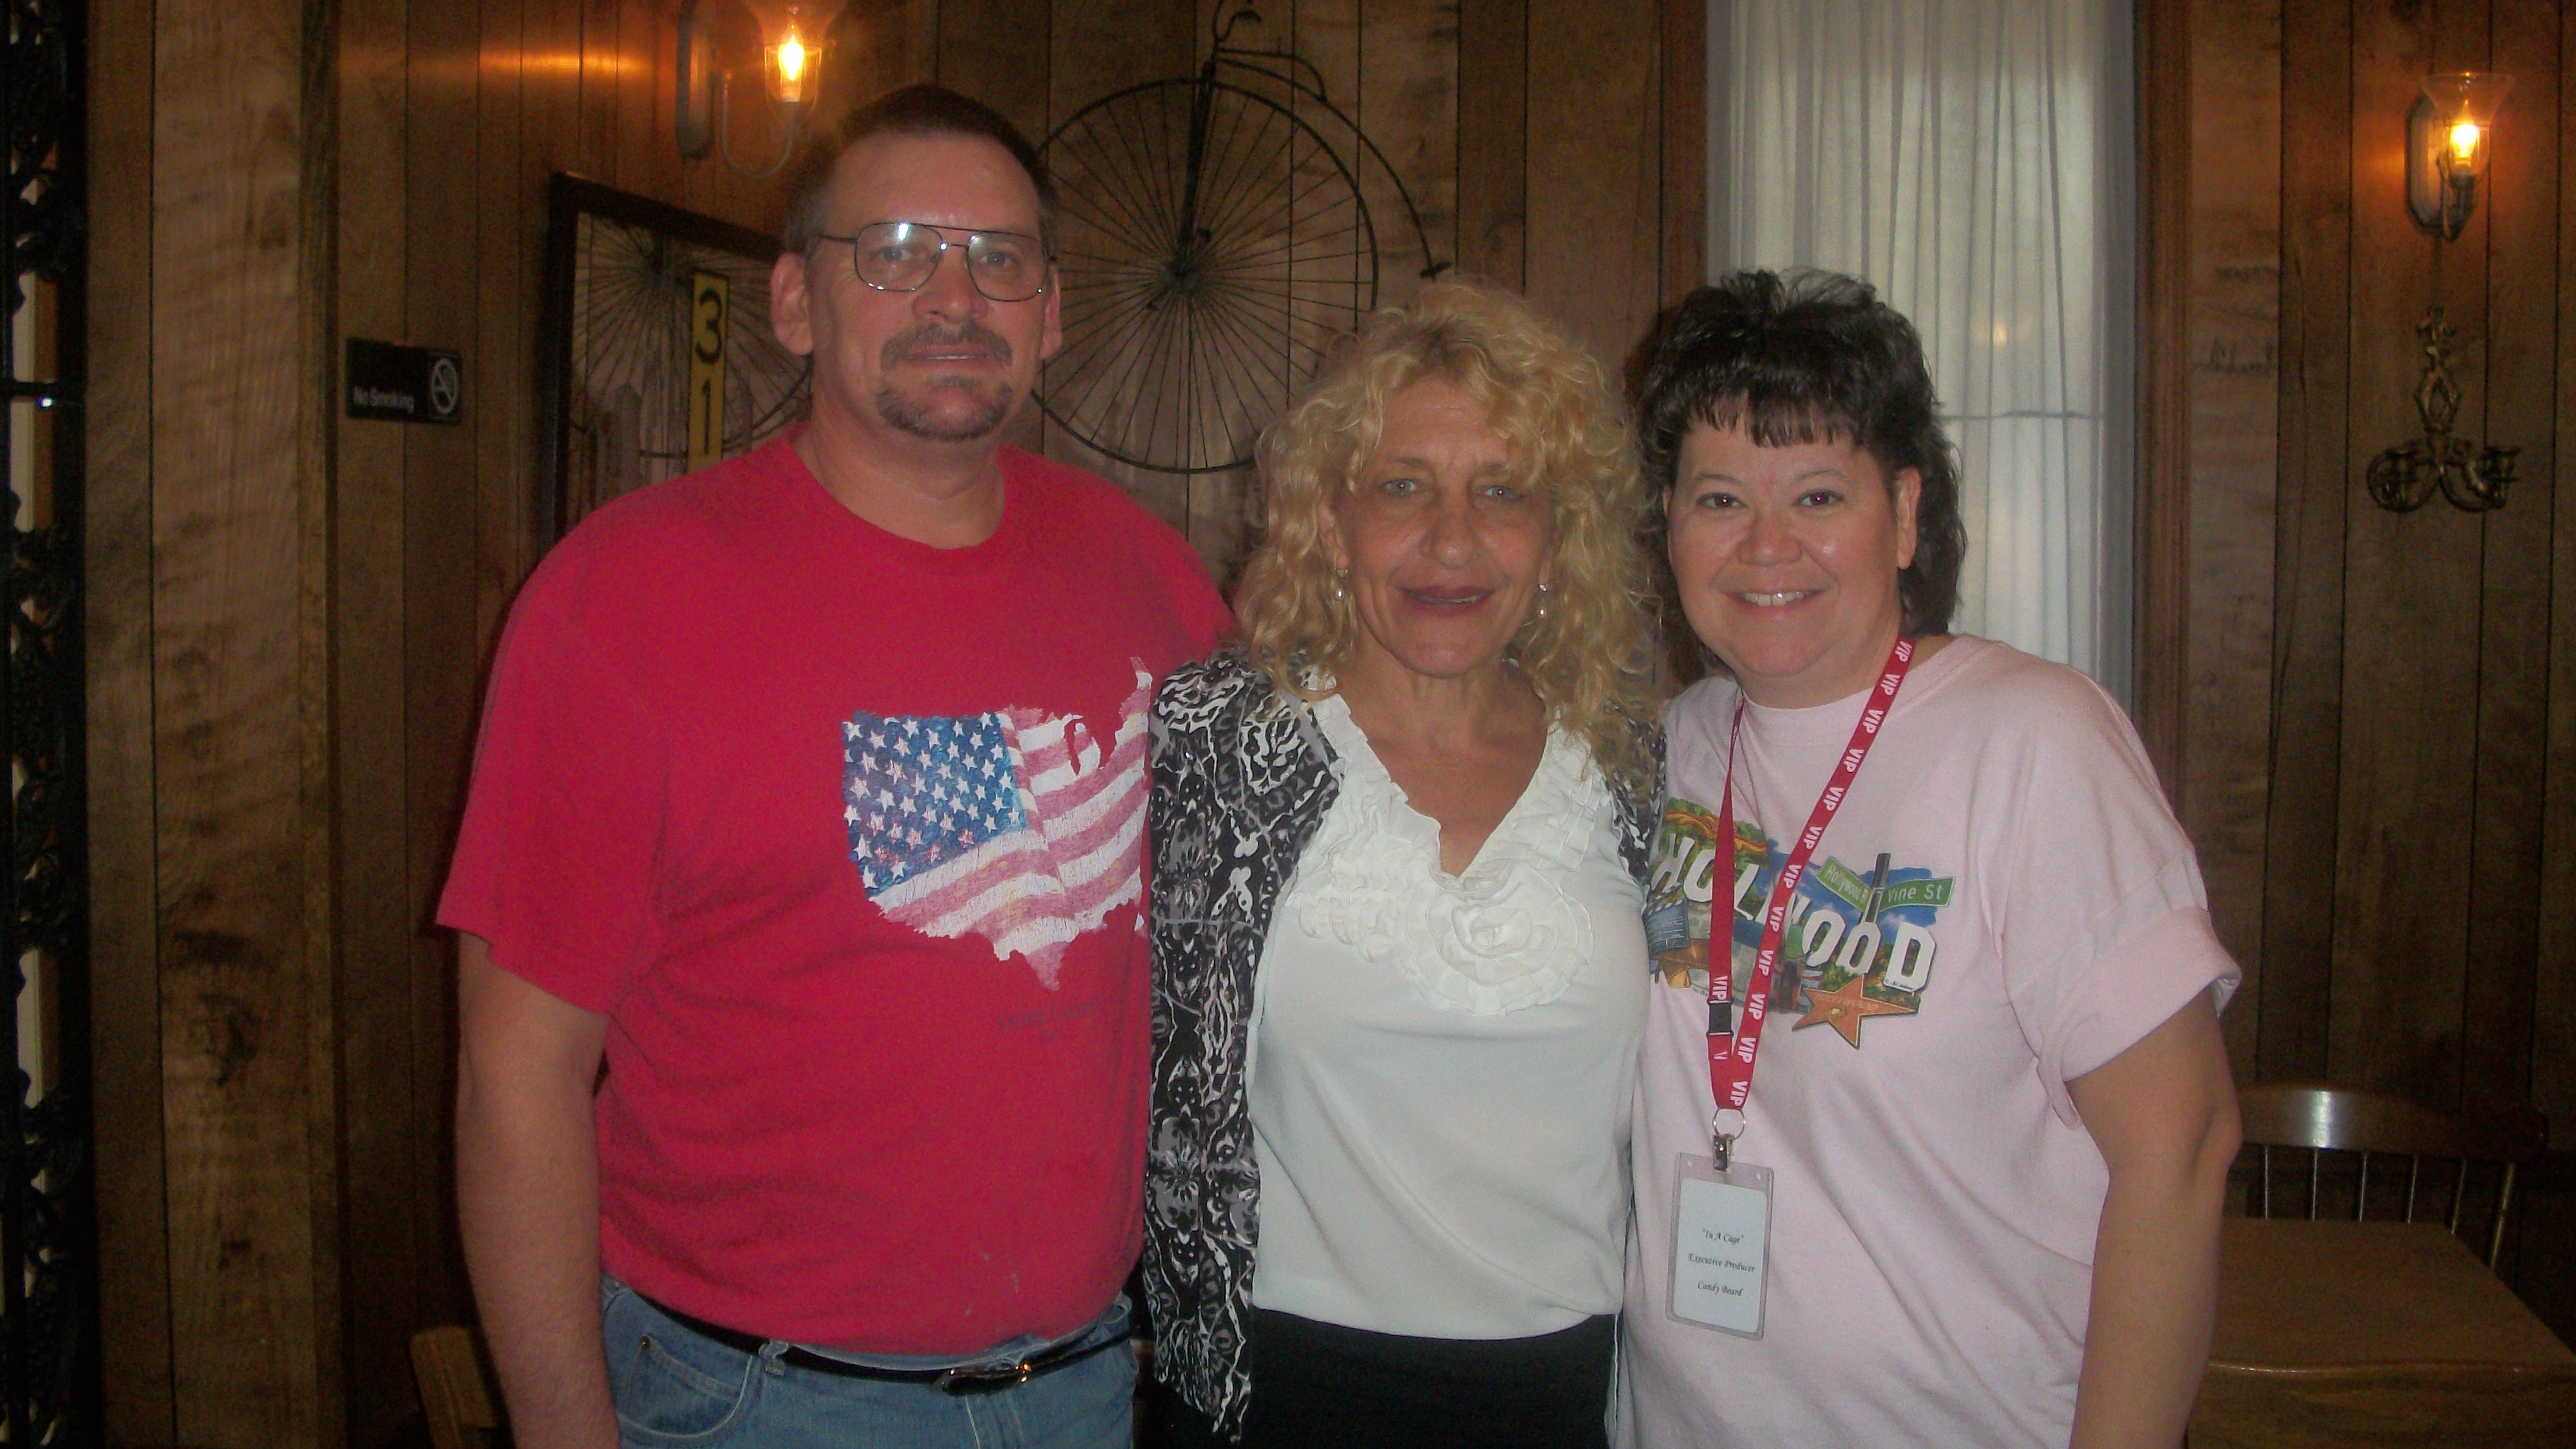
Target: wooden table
2343,1333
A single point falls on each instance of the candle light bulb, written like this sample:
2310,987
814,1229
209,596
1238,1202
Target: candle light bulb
2464,140
792,63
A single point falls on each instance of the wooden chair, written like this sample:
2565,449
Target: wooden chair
456,1389
2288,1117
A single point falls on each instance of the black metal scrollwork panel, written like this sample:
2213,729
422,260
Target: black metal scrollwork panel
48,1314
45,232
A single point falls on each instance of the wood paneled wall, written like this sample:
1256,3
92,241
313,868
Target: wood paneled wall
292,611
219,1196
291,614
2369,718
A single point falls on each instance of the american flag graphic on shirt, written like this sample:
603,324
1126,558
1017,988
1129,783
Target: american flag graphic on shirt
1020,827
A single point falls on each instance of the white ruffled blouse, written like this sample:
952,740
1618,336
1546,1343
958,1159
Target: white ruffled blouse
1441,1065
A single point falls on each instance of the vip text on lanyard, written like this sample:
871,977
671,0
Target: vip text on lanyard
1731,1052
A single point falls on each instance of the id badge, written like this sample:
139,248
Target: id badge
1721,1246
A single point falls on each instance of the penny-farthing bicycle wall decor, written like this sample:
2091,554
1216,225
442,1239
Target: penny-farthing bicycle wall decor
1215,240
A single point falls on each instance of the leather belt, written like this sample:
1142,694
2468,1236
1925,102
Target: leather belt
983,1378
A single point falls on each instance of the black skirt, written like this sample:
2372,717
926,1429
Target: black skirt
1322,1386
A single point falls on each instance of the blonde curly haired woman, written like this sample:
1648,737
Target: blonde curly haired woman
1399,835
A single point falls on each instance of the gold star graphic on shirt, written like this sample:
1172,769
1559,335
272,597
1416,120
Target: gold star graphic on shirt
1844,1008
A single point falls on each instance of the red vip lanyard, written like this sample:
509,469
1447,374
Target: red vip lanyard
1731,1052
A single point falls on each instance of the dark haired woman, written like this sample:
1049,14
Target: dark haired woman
1940,1159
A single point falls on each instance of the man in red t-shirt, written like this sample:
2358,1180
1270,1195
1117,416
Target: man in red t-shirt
810,805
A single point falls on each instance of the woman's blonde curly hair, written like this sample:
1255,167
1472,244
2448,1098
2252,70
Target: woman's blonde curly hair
1591,658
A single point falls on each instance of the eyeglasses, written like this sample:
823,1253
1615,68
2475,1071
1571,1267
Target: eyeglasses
901,256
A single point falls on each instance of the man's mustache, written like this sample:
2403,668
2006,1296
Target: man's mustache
932,337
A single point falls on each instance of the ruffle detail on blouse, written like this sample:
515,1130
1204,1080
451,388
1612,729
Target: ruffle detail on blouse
1502,936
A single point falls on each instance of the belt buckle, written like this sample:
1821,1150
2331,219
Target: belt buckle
986,1378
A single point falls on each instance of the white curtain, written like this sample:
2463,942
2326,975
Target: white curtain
1971,158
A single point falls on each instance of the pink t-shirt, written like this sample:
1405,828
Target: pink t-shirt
2003,904
844,835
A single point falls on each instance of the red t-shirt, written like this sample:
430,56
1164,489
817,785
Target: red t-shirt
845,836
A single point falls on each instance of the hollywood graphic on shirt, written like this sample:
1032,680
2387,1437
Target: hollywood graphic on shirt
1861,940
1017,826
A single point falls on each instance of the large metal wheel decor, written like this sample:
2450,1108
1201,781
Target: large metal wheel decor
1214,242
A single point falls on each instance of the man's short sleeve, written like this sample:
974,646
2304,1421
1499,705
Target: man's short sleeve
2104,926
556,862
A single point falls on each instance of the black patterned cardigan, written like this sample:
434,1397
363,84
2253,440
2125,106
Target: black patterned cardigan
1241,778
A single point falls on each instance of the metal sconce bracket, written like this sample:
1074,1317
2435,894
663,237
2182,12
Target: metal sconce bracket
716,37
2440,192
2404,478
2447,136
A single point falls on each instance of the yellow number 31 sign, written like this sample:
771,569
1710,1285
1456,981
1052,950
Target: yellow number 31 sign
709,301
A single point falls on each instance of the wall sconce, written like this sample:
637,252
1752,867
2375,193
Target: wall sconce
2447,136
790,43
2446,147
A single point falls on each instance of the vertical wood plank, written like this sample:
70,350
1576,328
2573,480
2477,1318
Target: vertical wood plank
552,138
232,382
2234,401
381,1199
315,386
2411,613
2553,1055
997,52
648,151
1097,47
462,258
1215,507
1493,138
2307,627
2164,67
1334,36
2521,199
460,177
1407,103
1684,61
597,135
872,54
1595,228
125,979
925,20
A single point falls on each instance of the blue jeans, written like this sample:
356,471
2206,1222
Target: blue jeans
678,1389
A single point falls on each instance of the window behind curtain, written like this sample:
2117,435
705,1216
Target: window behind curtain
1972,158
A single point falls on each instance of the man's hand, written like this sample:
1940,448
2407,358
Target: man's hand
2164,1114
527,1186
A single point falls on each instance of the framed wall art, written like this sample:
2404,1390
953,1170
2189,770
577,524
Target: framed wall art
657,356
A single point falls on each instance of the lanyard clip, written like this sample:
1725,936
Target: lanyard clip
1723,1129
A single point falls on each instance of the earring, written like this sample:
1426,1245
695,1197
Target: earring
1340,577
1542,600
